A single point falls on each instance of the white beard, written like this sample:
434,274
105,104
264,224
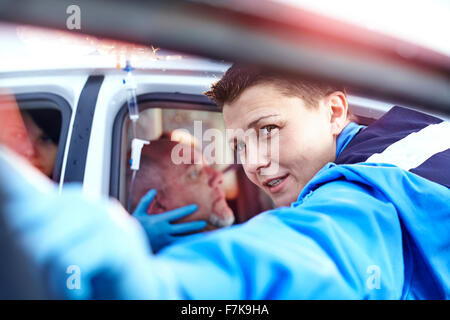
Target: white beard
220,222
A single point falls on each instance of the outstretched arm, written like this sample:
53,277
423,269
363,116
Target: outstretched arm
340,243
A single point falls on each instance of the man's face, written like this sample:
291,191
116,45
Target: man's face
305,140
195,184
21,134
44,150
13,132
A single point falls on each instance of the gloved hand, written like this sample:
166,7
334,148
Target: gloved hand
158,227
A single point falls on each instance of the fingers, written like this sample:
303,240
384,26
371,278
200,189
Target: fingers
144,203
180,212
188,227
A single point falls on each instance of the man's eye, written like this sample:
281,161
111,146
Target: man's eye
46,139
240,146
268,129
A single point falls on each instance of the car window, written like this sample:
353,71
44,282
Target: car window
35,126
199,126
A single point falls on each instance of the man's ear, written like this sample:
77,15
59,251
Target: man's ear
338,108
157,205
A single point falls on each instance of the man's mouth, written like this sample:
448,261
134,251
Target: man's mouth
38,166
275,184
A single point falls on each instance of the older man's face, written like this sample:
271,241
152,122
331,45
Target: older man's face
194,183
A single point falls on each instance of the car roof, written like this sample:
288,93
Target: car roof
294,40
30,49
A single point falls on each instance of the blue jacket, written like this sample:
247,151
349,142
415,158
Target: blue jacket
361,230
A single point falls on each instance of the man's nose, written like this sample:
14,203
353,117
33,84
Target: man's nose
215,177
26,148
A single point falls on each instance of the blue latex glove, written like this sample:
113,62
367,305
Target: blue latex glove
158,227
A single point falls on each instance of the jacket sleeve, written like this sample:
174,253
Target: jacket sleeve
344,241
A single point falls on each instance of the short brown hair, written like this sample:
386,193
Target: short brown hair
240,77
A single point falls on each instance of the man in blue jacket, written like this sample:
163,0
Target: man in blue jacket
363,212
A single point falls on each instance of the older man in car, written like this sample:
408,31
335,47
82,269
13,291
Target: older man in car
178,185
